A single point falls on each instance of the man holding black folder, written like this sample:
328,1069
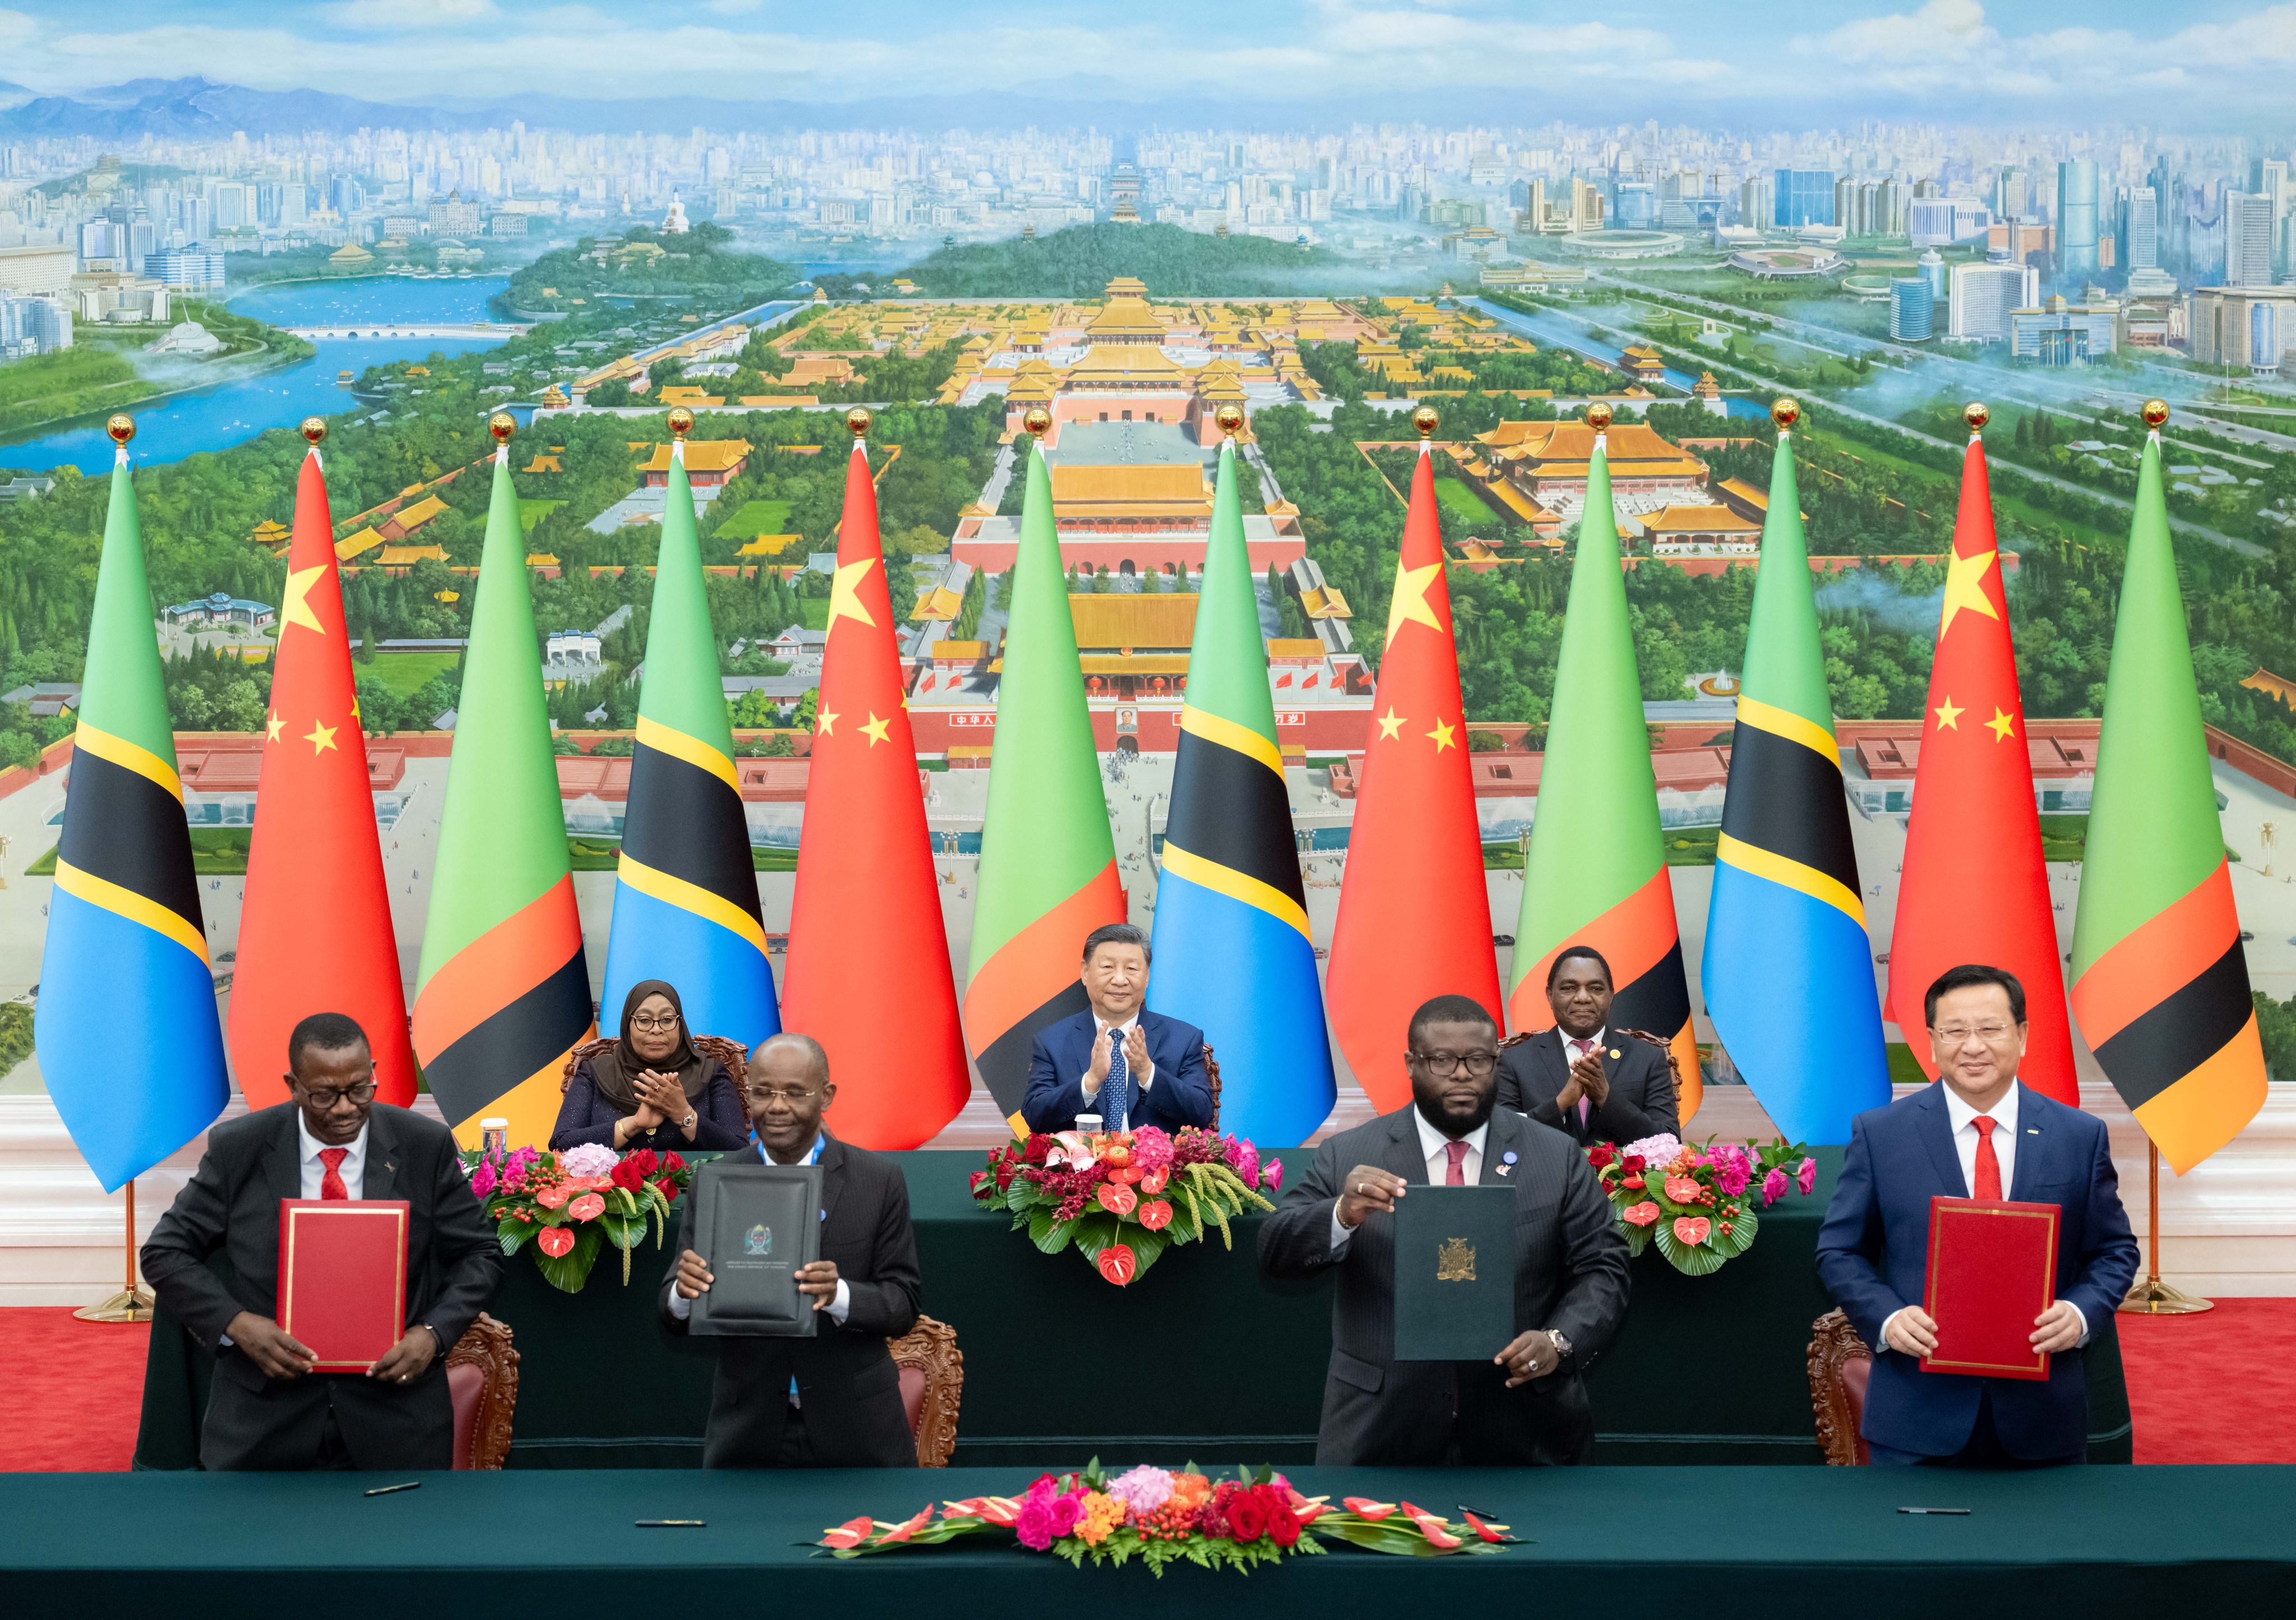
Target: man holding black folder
268,1408
830,1399
1512,1402
1977,1134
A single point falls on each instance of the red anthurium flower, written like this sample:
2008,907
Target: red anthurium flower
1489,1532
1156,1214
1362,1507
552,1198
909,1527
556,1241
589,1207
1117,1264
1644,1213
1117,1199
1156,1180
1693,1229
852,1533
1437,1536
1683,1190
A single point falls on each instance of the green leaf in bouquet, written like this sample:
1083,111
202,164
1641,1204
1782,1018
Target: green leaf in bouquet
512,1234
568,1272
1739,1238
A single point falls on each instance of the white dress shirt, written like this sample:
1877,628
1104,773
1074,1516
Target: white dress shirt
682,1307
353,1169
1435,1148
1963,1118
1142,1079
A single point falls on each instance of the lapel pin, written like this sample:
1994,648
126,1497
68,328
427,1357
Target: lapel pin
2032,1130
1506,1163
1614,1051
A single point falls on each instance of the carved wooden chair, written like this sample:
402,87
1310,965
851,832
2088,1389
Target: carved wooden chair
1673,1063
482,1382
732,1054
932,1387
1212,1073
1840,1364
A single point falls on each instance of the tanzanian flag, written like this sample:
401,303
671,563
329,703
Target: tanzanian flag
504,991
1233,953
126,1022
2160,981
1047,862
1788,971
685,890
1596,873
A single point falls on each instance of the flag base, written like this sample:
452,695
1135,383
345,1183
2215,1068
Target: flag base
2152,1298
129,1305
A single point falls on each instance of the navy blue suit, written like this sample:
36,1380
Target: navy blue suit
1062,1055
1873,1254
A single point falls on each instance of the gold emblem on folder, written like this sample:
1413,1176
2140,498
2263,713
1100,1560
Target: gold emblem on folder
1455,1262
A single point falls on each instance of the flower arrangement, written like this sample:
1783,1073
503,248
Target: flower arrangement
571,1205
1693,1202
1124,1197
1162,1517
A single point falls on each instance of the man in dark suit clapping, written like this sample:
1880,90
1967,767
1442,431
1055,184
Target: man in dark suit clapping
1128,1066
833,1401
1582,1077
267,1409
1527,1404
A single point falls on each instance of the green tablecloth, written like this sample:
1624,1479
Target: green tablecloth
1224,1366
1828,1541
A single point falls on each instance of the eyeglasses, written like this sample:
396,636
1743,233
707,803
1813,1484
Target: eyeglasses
1992,1035
326,1098
1444,1064
654,1026
762,1096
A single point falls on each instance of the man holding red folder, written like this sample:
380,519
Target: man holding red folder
1976,1134
272,1404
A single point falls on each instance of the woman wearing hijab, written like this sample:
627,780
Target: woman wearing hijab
651,1088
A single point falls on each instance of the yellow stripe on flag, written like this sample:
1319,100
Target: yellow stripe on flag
689,897
1786,723
125,902
128,756
693,750
1226,880
1792,874
1227,734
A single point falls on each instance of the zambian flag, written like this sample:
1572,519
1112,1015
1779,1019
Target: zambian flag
123,974
685,889
504,991
1596,873
2160,981
1047,862
1233,953
1788,971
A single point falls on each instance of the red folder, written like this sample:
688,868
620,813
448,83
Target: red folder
342,1278
1992,1270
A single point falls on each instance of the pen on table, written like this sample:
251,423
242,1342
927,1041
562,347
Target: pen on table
1937,1512
412,1485
671,1523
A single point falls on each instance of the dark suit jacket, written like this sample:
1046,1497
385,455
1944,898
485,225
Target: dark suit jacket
1182,1095
1571,1274
231,1206
1873,1253
721,1123
1533,1073
845,1376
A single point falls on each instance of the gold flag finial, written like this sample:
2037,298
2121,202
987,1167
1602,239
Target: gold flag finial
1037,419
857,422
314,430
1975,413
681,423
1230,418
1426,419
1786,413
122,428
1598,416
501,424
2156,413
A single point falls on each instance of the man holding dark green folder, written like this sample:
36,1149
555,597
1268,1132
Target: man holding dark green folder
1427,1285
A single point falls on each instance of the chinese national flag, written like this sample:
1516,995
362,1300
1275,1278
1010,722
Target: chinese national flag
1415,918
1975,888
868,973
314,933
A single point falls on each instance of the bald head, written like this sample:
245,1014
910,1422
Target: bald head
816,1056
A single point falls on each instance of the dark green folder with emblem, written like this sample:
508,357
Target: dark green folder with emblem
1454,1272
756,1224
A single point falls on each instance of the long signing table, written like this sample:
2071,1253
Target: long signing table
1226,1366
1832,1540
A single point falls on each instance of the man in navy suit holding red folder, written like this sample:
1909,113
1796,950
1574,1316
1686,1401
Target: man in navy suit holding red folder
1975,1134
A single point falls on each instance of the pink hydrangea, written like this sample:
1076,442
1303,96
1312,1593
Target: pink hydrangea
1659,1151
1152,1149
1143,1490
1806,1178
1774,1187
1271,1175
588,1159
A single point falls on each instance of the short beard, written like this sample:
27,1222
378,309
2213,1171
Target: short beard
1482,1115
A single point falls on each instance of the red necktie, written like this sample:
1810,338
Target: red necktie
331,1185
1989,1167
1455,1175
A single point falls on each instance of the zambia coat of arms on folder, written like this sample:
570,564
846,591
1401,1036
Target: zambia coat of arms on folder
1455,1261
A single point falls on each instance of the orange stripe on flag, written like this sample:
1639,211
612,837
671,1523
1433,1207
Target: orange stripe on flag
1040,961
1632,935
2211,1104
1684,1049
495,969
2154,960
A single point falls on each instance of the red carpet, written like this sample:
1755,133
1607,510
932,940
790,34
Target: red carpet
2206,1388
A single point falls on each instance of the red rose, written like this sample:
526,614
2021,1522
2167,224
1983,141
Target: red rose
667,1187
671,1162
1282,1523
1632,1163
647,1161
627,1176
1600,1154
1004,1177
979,1180
1037,1148
1246,1517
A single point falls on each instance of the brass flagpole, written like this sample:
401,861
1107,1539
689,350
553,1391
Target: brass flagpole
131,1304
2149,1296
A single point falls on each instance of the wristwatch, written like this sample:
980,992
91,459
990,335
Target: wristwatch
687,1123
1561,1345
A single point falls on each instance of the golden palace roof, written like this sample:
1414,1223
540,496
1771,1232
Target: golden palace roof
1173,489
1562,449
1131,363
701,456
1698,519
1124,620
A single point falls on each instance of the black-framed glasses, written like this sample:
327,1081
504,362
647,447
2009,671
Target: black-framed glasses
323,1097
654,1026
1444,1064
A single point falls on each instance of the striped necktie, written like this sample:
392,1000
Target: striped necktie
1116,1090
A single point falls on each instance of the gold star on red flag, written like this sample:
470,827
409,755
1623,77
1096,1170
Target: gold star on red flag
1964,587
875,728
321,738
272,726
2000,725
1390,724
1948,717
296,608
825,723
1442,736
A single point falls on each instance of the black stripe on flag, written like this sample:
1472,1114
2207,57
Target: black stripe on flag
1787,799
1005,1065
511,1043
685,821
124,827
1229,809
1659,1000
2181,1031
